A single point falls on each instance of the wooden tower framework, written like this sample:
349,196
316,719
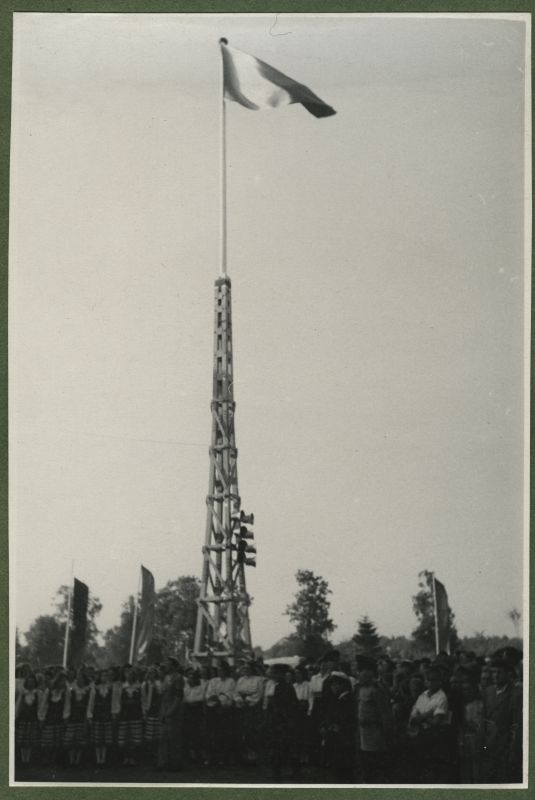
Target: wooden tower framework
223,628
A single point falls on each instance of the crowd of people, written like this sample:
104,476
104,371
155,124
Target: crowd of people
453,719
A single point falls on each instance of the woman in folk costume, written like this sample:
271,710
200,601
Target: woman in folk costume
151,698
117,683
26,719
130,730
248,702
22,671
103,704
51,717
75,714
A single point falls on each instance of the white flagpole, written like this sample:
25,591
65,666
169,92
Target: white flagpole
68,623
436,616
134,622
223,177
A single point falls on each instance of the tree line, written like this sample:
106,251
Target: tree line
310,609
176,613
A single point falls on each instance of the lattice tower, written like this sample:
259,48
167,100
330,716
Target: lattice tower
223,628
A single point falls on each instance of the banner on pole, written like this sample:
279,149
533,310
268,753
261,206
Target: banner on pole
78,636
442,620
146,614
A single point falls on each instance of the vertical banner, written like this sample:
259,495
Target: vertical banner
80,601
442,617
146,614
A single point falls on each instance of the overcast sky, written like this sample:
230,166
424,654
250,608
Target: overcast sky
377,266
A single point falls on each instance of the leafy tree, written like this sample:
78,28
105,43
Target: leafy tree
423,606
44,641
46,635
310,613
367,640
175,615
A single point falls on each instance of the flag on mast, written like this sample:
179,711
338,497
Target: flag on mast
80,602
256,85
442,617
146,613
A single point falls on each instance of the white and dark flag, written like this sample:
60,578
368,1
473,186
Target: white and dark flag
256,85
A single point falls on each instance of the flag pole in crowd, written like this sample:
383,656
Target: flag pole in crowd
68,622
134,621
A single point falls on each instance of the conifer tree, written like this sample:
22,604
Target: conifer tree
367,640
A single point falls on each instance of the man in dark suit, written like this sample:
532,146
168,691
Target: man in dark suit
502,704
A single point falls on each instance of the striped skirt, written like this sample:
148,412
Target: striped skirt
101,733
130,733
152,729
75,734
27,733
52,735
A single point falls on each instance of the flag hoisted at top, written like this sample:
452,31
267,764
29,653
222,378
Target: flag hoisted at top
223,628
256,85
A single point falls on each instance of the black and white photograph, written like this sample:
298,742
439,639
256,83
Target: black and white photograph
269,335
